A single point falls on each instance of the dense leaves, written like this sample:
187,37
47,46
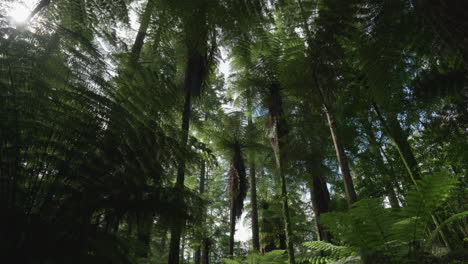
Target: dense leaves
130,131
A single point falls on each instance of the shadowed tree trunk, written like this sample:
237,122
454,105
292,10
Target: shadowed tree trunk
42,4
206,252
197,255
320,198
237,190
375,149
142,30
341,157
399,139
350,193
278,133
253,187
144,226
232,228
193,82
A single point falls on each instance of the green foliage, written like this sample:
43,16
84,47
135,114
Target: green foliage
372,228
272,257
323,252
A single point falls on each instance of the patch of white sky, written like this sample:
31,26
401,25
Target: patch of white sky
18,11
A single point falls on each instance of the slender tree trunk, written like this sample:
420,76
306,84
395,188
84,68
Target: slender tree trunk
42,4
342,158
253,189
351,196
320,198
164,240
232,229
144,226
253,200
206,252
279,131
142,30
176,229
197,255
400,140
386,174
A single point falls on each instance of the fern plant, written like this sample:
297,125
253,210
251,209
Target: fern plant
388,236
323,252
272,257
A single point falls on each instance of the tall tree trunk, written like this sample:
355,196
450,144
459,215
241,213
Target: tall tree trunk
42,4
197,255
144,225
320,198
176,229
232,228
142,30
351,196
253,200
253,188
399,139
206,252
386,174
163,240
342,158
278,133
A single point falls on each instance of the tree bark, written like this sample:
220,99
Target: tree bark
197,255
232,229
400,140
253,189
142,30
320,198
351,196
176,229
206,252
279,131
253,200
342,158
385,173
144,225
42,4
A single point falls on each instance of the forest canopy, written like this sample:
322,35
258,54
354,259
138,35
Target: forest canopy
232,131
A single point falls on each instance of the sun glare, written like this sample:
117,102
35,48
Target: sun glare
19,12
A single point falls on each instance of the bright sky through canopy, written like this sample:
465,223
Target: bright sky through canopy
20,10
